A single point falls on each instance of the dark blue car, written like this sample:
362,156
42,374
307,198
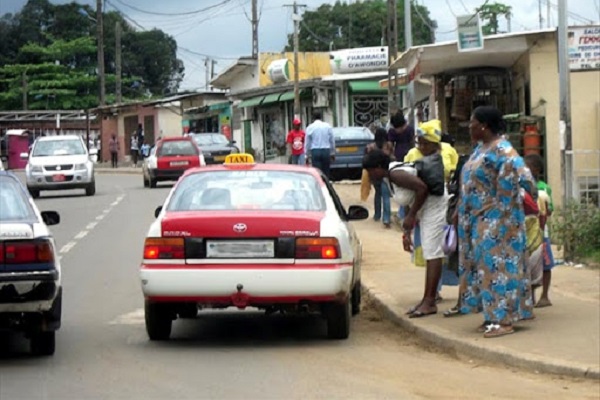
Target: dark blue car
350,143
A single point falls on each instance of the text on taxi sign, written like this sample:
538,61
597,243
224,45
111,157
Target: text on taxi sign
241,158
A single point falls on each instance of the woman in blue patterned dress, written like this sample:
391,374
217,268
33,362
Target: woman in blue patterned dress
491,228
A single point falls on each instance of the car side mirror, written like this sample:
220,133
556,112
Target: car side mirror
157,211
234,141
50,217
356,213
24,156
93,152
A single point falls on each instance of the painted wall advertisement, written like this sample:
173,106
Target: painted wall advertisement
470,36
362,59
584,48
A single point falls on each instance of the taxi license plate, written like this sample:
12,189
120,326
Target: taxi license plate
220,158
58,178
240,249
348,149
178,163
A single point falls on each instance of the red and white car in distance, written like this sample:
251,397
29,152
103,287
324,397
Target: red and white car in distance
240,234
169,158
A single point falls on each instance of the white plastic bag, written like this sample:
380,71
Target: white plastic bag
402,196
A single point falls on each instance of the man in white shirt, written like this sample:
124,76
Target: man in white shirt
320,144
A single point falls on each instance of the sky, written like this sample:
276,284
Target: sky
221,29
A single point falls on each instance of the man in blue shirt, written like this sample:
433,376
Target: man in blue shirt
320,144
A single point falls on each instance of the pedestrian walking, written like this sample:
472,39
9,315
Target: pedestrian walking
378,156
535,163
320,144
295,141
139,134
491,228
134,150
145,149
113,148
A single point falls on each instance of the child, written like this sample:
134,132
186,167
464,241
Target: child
536,166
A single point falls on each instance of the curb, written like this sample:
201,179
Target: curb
440,339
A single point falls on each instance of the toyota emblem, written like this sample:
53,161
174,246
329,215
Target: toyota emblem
58,167
240,228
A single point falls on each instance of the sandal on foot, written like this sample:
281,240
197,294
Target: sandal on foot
413,309
495,330
452,312
419,314
483,327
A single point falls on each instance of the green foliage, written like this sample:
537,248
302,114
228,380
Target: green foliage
489,16
49,51
576,228
358,24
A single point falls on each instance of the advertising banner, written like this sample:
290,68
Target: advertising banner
584,48
470,36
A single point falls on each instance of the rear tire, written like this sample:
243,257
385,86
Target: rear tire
158,321
356,299
146,183
43,343
338,319
152,183
90,190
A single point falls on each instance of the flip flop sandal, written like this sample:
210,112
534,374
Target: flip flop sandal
483,327
419,314
452,312
413,309
495,330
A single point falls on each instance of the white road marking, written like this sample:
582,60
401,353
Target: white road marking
67,247
81,235
133,318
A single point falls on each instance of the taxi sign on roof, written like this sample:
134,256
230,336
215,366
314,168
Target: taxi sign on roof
239,158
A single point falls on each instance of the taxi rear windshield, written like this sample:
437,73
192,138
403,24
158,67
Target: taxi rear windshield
248,190
177,148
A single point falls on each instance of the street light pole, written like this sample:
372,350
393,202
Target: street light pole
566,145
118,61
296,18
100,39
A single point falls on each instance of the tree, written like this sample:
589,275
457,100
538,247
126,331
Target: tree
359,24
490,12
50,52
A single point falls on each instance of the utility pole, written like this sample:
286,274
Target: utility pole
540,13
206,72
565,102
255,29
212,68
296,18
118,61
548,22
100,39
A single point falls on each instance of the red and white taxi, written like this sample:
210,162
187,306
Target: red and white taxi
241,234
169,158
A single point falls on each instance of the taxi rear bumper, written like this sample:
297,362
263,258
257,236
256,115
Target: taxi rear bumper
252,286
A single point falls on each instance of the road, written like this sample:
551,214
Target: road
103,352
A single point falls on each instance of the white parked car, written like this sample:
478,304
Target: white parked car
271,236
30,275
59,163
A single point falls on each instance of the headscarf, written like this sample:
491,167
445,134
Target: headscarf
431,131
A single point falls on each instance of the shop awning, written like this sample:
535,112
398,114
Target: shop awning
271,98
219,106
251,102
289,96
366,87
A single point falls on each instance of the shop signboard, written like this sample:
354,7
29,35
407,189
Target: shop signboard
279,71
470,36
584,48
363,59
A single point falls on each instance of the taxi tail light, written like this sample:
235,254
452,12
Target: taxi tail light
164,249
26,252
317,248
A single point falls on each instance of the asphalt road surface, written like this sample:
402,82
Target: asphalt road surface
103,351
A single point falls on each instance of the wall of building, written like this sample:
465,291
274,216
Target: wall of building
545,101
168,122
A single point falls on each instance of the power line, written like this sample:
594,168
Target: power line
174,14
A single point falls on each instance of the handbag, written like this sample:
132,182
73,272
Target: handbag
450,242
431,171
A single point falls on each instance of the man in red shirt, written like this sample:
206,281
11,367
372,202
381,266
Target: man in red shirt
296,139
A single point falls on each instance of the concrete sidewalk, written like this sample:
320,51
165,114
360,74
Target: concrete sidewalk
563,339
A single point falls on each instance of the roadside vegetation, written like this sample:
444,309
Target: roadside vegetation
576,230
